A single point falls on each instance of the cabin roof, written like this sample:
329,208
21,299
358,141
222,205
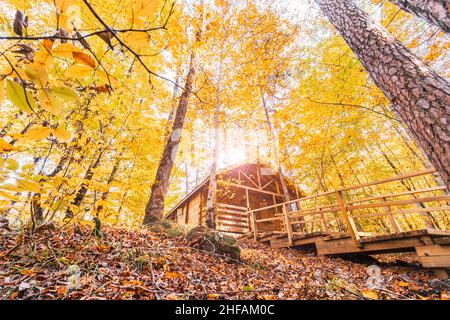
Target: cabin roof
227,169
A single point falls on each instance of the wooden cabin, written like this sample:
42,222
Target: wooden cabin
239,188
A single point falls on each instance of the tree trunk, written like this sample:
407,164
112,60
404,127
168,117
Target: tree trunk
84,186
419,96
155,205
274,144
212,188
111,178
434,11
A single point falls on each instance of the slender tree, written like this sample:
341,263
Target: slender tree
436,12
212,188
155,205
419,96
273,134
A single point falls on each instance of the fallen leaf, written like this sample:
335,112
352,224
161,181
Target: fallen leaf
369,294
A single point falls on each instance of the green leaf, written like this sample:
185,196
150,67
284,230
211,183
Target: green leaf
63,93
16,94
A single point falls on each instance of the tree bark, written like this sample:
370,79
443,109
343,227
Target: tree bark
212,188
111,178
155,205
274,144
85,185
434,11
419,96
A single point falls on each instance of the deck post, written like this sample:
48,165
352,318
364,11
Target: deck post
255,229
391,217
347,217
323,223
288,225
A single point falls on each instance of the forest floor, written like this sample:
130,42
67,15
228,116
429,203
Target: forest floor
70,263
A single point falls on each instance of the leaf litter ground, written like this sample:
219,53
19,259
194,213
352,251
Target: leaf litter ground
70,263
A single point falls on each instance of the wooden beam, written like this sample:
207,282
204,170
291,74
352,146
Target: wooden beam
255,227
401,177
401,202
249,188
268,183
397,194
254,183
258,176
288,225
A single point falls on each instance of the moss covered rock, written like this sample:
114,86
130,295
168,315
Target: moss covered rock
212,241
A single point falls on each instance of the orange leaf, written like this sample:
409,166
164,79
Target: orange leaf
133,283
61,291
173,275
83,58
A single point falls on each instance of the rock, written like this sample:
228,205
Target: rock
214,242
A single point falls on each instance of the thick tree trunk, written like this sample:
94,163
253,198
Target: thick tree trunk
155,205
419,96
434,11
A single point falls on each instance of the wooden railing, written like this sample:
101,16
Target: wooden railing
358,212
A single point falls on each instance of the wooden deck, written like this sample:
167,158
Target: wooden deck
353,220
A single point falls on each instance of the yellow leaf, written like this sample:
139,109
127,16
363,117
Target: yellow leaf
37,73
65,50
403,284
144,9
49,103
28,185
445,296
219,3
83,58
37,133
213,296
5,146
63,93
104,77
8,195
137,39
12,164
20,97
369,294
62,5
61,134
78,71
